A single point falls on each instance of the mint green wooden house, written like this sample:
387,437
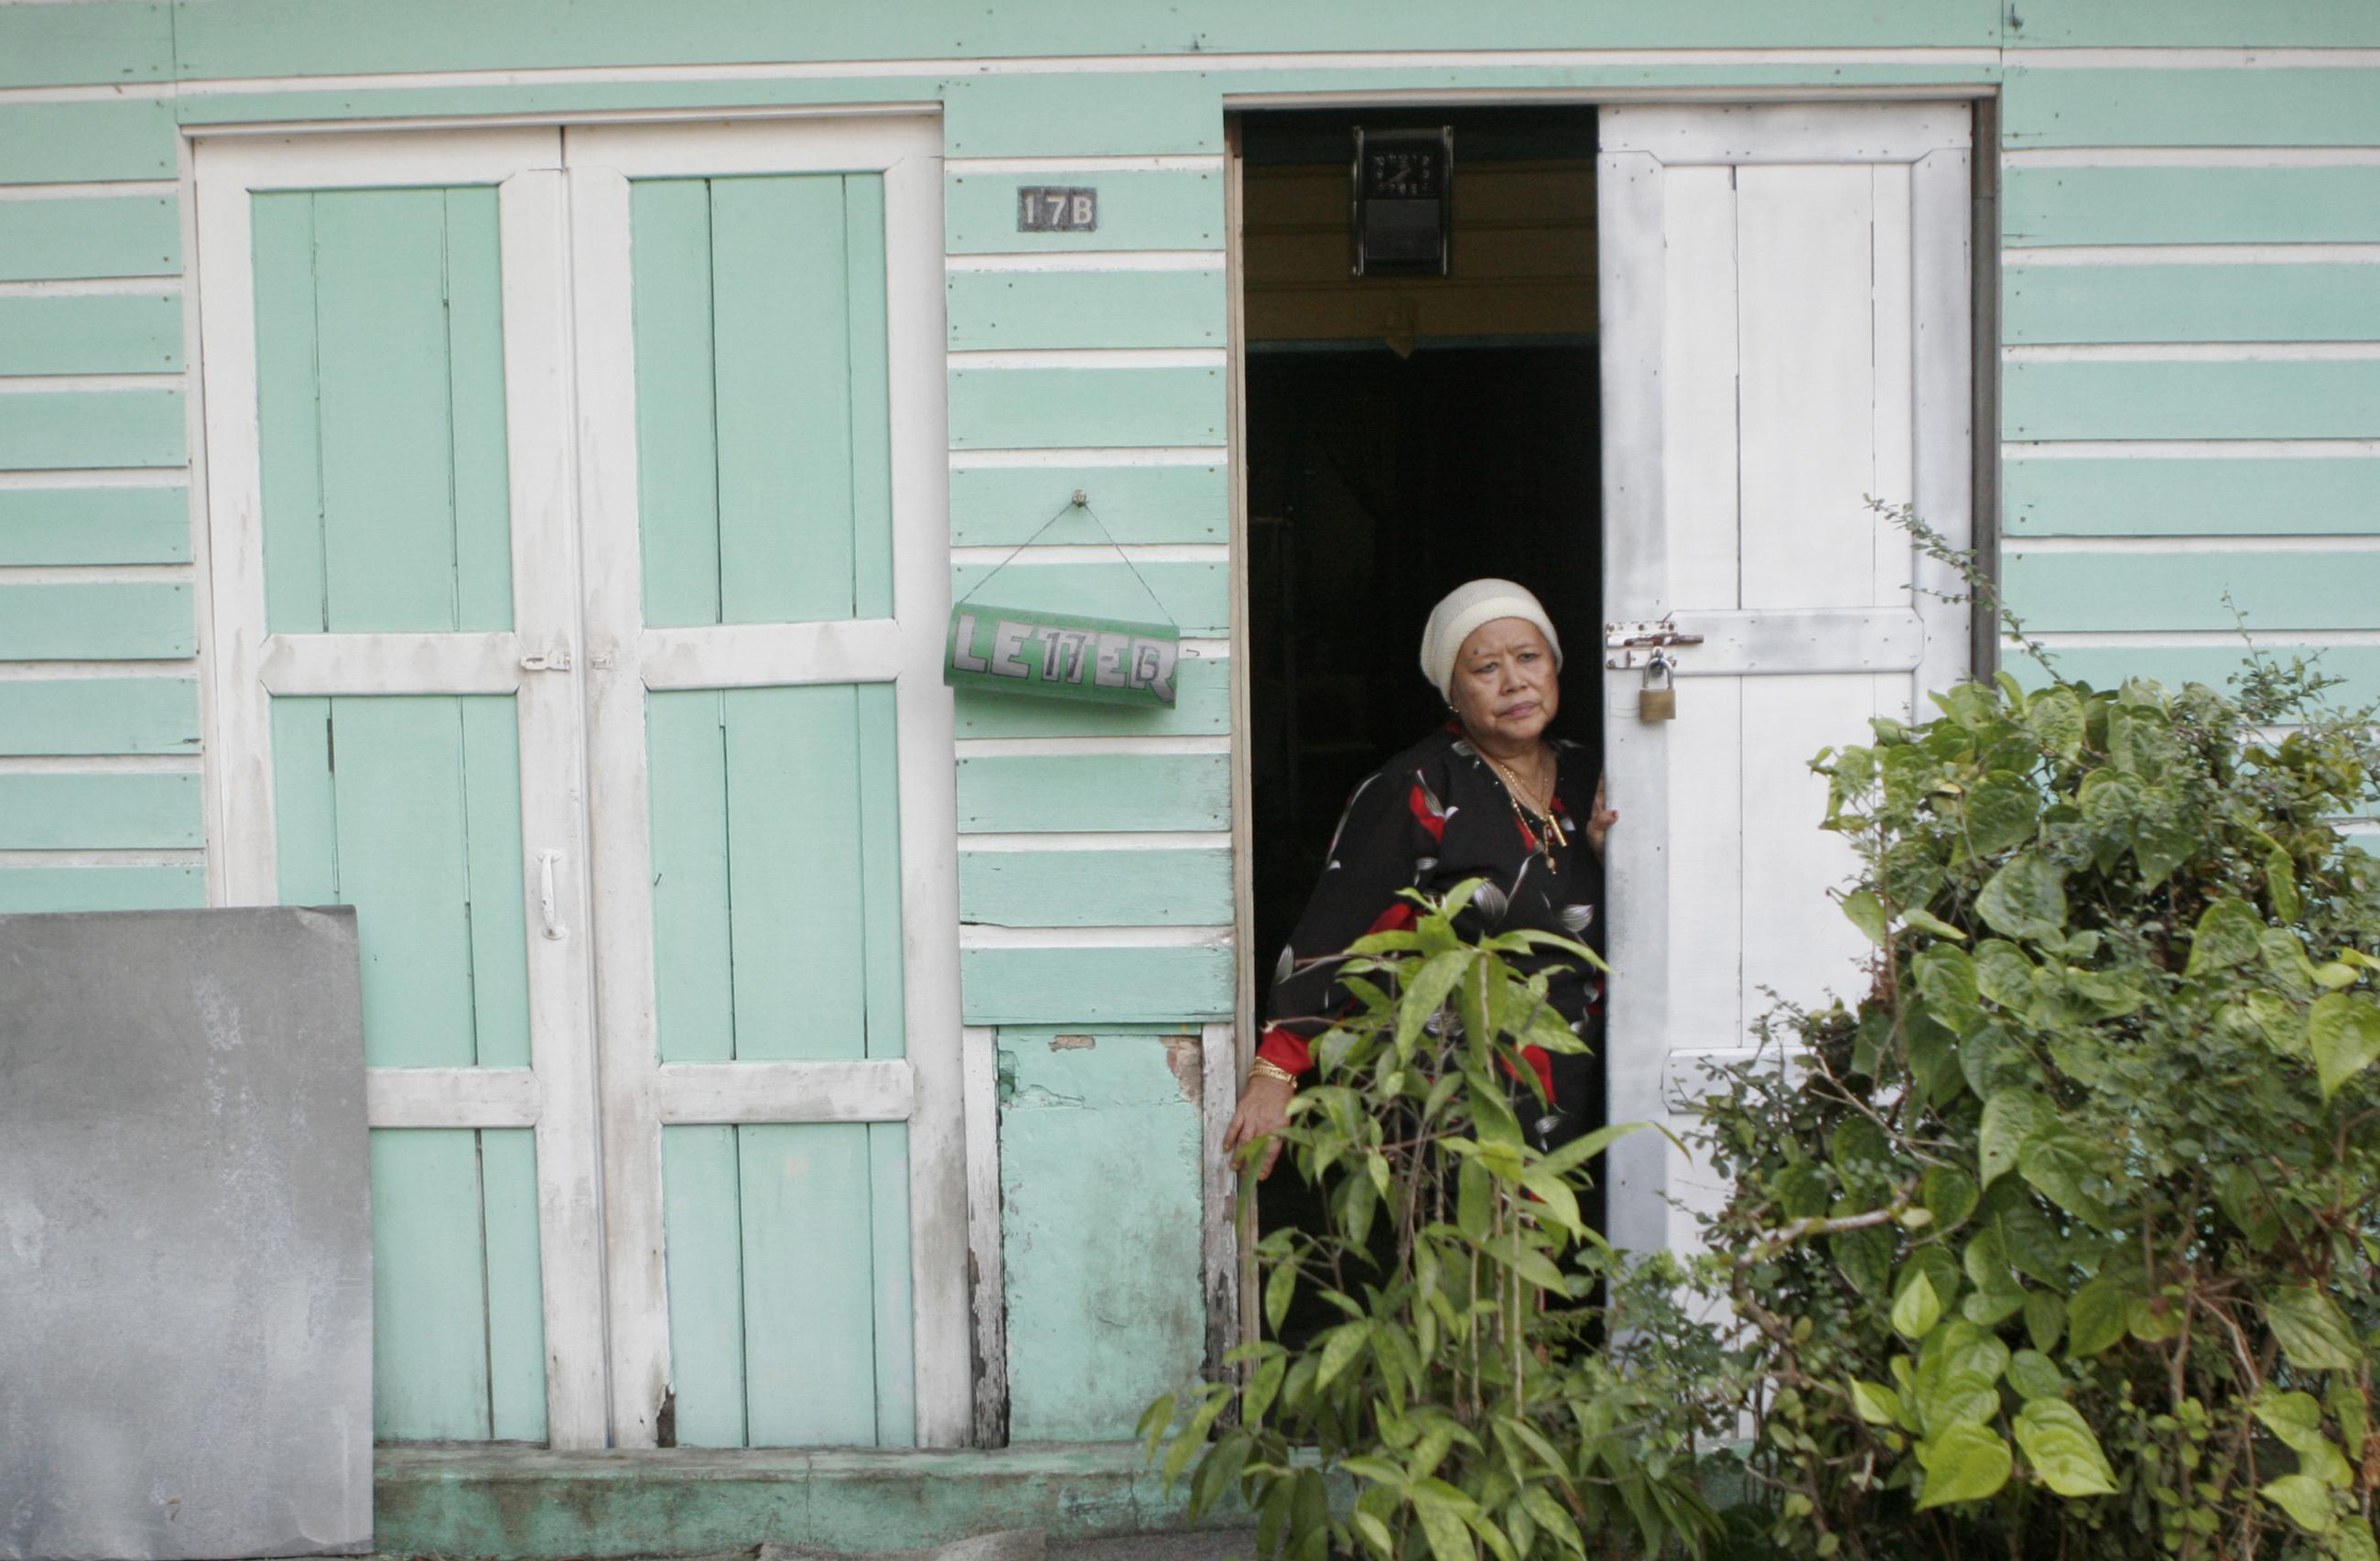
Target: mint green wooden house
508,467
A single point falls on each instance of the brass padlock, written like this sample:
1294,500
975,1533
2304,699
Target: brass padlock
1657,700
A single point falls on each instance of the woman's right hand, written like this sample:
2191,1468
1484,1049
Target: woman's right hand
1263,1113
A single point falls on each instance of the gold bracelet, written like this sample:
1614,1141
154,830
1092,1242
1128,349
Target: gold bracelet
1265,1067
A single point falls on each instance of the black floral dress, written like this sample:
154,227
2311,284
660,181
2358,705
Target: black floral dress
1437,814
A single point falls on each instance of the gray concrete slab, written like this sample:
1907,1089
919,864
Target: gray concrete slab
184,1236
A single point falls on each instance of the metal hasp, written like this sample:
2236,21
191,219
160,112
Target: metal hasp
1629,638
1760,641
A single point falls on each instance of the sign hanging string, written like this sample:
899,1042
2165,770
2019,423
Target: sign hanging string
1082,503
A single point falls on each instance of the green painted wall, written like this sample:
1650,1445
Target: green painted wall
1098,1199
2141,484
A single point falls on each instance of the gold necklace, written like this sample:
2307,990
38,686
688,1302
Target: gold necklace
1513,794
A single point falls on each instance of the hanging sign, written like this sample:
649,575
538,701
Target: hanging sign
1062,655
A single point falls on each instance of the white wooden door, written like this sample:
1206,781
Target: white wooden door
1785,306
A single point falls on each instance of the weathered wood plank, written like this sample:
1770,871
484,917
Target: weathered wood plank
1109,791
1139,209
997,310
2317,399
704,1243
24,889
305,803
686,750
1090,986
809,1357
429,1319
1194,596
2106,667
103,335
59,430
866,333
131,620
895,1304
289,414
89,45
2133,589
73,237
475,401
87,142
95,525
1202,689
1095,888
794,869
516,1298
2319,106
877,885
1072,408
100,716
2141,496
2193,23
2059,206
1004,506
677,456
495,867
2156,303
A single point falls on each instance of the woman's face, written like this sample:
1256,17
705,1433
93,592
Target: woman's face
1505,686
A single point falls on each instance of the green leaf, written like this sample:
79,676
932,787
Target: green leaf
1966,1462
2281,885
2353,1539
1585,1147
2312,1330
2226,936
1866,913
2056,719
2294,1418
2010,1117
1926,922
2004,974
1865,1257
1948,1195
1946,979
2305,1499
1342,1347
2035,1375
2045,1318
2058,1444
2026,900
1916,1309
2002,813
2344,1032
1375,1533
2058,1163
1473,1199
1875,1403
2098,1316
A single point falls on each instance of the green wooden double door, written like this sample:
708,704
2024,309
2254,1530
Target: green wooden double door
575,532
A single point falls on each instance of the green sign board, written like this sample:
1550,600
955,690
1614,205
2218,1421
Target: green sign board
1060,655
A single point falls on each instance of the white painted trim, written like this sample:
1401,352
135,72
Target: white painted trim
1089,260
93,287
706,146
1190,162
94,574
371,158
146,91
2195,353
1184,840
974,936
26,384
100,764
390,663
62,671
1025,748
99,190
1941,308
1092,358
2191,157
2194,254
2187,449
1205,650
1142,454
98,477
1799,132
452,1097
770,655
2135,547
192,480
1218,1244
988,1298
879,1091
1606,97
2184,638
2182,57
103,857
1095,553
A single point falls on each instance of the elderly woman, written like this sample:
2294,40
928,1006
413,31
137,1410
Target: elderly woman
1486,796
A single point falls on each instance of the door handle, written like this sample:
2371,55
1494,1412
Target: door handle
548,909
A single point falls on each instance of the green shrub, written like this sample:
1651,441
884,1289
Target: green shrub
1465,1397
2061,1243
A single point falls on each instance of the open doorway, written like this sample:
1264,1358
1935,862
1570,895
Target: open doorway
1404,434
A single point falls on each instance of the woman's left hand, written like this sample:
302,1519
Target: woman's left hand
1599,823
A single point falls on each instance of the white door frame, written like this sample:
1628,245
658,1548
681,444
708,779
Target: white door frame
1637,142
571,448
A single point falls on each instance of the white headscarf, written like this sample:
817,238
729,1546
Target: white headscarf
1464,610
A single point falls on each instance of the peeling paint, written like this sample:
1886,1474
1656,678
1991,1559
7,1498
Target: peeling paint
1186,1059
1071,1042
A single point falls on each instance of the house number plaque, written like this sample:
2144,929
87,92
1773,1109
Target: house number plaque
1047,208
